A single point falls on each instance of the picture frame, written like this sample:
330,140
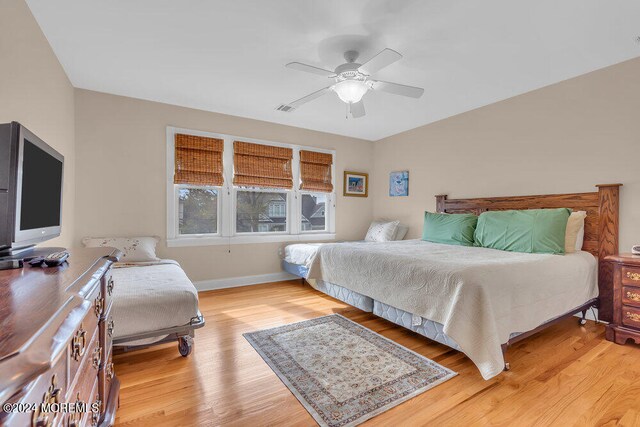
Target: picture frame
399,184
356,184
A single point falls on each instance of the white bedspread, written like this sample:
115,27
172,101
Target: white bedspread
303,253
151,296
480,295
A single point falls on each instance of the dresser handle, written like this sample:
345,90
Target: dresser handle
75,417
97,357
110,286
99,305
109,371
633,276
78,344
51,396
110,327
95,416
633,296
633,316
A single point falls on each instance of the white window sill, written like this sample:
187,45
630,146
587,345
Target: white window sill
243,240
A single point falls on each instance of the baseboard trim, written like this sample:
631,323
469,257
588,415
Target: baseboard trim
234,282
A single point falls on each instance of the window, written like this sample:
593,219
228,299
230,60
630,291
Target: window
198,211
223,189
313,212
261,211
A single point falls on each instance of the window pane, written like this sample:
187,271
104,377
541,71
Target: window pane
261,212
197,211
313,212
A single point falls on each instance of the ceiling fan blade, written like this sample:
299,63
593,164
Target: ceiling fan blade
357,109
310,69
317,94
398,89
378,62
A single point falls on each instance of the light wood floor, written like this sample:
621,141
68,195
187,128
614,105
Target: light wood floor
566,375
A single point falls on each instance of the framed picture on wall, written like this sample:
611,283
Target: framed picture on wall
399,183
356,184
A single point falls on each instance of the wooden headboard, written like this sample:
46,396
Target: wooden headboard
600,226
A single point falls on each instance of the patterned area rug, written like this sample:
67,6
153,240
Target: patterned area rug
343,373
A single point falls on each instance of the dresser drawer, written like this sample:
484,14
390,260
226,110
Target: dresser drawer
50,388
631,316
85,390
107,329
631,276
83,342
631,296
106,286
105,378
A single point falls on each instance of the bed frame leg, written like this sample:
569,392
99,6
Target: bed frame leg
302,280
595,315
583,320
507,365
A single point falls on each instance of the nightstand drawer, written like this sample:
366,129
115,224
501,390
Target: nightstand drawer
631,296
631,316
631,276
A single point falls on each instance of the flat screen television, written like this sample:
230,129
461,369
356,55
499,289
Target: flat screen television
31,175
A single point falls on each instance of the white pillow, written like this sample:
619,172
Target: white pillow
574,236
580,238
134,249
382,231
401,231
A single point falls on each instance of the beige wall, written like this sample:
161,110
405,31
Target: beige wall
564,138
121,167
35,91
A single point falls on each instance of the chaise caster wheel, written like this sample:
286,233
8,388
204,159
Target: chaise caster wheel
185,345
507,366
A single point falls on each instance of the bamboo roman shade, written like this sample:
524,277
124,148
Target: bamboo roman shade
198,160
315,171
258,165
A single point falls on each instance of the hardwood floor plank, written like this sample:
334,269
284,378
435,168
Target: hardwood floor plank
565,375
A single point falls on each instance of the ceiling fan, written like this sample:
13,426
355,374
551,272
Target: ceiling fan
352,81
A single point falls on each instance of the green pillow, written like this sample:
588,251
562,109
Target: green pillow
540,231
452,229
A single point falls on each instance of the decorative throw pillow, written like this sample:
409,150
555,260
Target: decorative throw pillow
574,237
382,231
401,231
134,249
450,229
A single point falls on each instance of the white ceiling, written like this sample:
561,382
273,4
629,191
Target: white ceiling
228,56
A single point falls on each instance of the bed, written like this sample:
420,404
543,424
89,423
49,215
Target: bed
154,302
478,300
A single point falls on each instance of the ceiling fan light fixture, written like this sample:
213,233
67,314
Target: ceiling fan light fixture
351,91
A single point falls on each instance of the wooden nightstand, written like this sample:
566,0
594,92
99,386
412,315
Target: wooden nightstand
626,299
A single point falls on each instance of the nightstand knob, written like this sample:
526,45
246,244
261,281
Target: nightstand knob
633,316
633,296
633,276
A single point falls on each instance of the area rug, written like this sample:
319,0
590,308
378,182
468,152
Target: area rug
344,373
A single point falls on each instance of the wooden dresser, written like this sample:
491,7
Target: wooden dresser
55,343
626,299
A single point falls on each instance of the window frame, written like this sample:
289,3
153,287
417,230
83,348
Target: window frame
227,199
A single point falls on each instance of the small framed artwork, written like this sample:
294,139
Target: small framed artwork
399,183
356,184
